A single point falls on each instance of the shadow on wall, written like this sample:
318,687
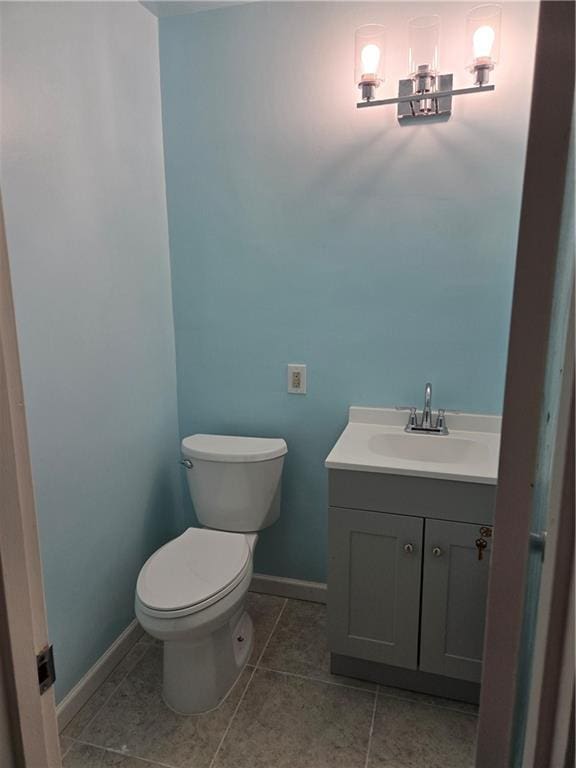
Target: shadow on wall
164,514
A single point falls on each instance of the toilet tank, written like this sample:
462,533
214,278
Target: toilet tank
234,482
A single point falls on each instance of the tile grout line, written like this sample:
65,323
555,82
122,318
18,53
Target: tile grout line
319,680
398,697
233,715
146,652
156,763
241,699
366,764
64,752
274,627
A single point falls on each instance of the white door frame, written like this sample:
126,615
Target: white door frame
23,629
540,220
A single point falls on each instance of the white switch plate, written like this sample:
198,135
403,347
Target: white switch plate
296,378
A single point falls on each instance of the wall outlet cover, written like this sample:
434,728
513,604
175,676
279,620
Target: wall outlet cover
296,378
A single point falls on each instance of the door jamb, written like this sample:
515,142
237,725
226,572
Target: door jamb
542,202
552,673
35,730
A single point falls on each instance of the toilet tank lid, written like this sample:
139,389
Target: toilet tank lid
233,449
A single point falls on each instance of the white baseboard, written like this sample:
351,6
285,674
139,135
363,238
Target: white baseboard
84,688
313,591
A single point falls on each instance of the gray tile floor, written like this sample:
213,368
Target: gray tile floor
285,711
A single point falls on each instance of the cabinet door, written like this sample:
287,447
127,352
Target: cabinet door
375,565
454,590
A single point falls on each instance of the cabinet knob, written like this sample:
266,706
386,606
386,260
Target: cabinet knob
437,552
409,548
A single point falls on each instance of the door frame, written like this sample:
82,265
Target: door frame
540,221
552,677
23,627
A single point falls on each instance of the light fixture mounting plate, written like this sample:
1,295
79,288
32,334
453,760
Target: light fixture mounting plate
409,111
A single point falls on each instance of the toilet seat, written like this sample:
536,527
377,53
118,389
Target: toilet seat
192,572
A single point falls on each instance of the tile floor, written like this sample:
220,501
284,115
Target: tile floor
285,711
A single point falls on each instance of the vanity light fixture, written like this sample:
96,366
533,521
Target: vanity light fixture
427,93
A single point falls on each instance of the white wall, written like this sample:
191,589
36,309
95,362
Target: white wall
82,177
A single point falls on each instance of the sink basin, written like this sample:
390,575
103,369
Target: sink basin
375,441
439,449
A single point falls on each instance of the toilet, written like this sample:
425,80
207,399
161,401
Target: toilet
191,593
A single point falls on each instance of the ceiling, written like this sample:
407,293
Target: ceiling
178,7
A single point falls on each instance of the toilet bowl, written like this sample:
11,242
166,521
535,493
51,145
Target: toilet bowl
191,593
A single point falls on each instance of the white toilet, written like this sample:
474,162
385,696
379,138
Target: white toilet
191,593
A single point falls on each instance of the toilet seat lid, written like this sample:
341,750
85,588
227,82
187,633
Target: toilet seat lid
192,568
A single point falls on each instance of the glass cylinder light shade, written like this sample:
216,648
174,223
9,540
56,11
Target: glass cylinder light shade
424,45
369,49
483,40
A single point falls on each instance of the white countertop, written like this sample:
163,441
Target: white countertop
375,441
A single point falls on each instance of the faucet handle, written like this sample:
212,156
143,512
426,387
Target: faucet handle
441,419
412,419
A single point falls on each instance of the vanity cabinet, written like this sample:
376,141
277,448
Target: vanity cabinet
406,588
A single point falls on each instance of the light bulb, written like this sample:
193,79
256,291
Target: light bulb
483,40
369,47
370,59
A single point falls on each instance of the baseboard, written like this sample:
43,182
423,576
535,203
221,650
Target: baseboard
313,591
84,688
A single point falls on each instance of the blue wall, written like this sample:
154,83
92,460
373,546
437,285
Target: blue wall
303,230
83,190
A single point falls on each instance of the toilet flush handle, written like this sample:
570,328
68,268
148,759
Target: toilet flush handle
187,463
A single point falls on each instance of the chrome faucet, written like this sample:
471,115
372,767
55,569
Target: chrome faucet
426,424
427,410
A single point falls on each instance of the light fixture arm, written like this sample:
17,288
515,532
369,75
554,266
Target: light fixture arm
437,102
424,96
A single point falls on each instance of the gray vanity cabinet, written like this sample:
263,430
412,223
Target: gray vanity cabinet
406,589
454,591
375,577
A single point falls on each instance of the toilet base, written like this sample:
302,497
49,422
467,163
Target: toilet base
198,675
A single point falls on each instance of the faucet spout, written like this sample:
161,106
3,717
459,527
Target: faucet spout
427,411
